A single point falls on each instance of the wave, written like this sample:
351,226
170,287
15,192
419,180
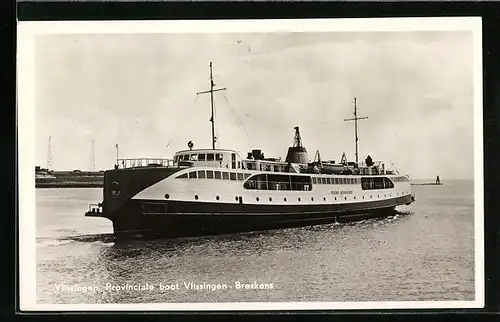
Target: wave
103,239
52,242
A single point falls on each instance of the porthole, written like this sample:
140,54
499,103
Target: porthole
196,197
345,198
236,198
335,198
354,197
371,197
270,199
217,198
167,196
312,199
257,198
363,197
284,198
324,198
299,198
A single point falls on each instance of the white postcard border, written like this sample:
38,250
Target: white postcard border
27,32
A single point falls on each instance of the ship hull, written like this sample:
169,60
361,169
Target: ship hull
185,219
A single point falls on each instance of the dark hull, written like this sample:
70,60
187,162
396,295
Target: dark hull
170,219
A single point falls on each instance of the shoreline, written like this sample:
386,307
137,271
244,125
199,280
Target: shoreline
69,185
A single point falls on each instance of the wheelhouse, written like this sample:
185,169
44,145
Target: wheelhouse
209,158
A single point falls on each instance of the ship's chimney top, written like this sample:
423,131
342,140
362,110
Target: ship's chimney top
297,142
297,153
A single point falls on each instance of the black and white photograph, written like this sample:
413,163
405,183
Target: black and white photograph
304,164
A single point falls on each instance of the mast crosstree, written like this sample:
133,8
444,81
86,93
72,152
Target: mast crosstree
355,119
211,91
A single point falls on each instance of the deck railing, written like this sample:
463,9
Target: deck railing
144,162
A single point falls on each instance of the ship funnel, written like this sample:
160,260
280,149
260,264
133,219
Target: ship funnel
297,153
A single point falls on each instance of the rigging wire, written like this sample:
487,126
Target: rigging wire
181,121
240,123
216,127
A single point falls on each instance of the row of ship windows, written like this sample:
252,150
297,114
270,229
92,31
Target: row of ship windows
167,196
199,157
222,175
325,180
400,179
209,174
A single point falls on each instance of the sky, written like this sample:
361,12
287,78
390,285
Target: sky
139,91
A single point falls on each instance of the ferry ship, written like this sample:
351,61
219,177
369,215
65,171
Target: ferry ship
218,191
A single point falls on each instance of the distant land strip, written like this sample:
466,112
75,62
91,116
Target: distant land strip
68,185
70,179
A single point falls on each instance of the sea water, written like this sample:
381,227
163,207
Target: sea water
423,253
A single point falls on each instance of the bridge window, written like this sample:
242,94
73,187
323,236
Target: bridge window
225,175
210,174
201,157
210,156
323,180
192,175
217,175
182,176
185,157
240,177
218,156
201,174
194,157
232,175
314,180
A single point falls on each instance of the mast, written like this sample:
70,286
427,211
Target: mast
355,119
211,91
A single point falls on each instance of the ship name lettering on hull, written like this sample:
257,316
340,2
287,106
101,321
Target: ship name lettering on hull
340,192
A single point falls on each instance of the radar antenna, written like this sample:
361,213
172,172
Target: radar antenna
343,160
317,157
